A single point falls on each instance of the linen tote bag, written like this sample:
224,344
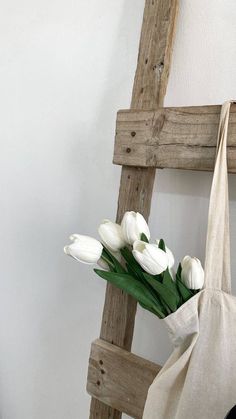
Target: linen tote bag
199,379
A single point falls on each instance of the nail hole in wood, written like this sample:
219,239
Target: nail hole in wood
146,61
101,362
133,133
141,90
128,150
98,382
102,372
161,66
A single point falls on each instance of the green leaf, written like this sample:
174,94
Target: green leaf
107,259
149,309
168,296
136,270
131,271
158,278
131,261
185,292
161,245
168,282
165,306
144,238
118,267
135,288
179,270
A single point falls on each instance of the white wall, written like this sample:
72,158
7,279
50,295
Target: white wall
65,69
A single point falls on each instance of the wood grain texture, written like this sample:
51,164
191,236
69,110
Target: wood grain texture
182,138
136,184
119,378
155,49
99,410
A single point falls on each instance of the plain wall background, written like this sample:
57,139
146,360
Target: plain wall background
66,67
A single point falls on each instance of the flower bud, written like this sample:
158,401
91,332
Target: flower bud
85,249
152,259
133,225
111,235
192,273
171,259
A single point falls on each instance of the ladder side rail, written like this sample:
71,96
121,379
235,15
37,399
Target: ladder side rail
136,185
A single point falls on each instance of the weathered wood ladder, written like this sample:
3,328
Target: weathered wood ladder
147,137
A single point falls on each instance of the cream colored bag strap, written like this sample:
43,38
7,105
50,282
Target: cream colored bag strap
217,262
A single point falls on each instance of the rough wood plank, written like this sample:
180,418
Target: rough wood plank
182,138
100,410
136,184
155,52
119,378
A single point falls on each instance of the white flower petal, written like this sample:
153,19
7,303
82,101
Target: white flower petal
192,273
111,235
170,255
152,259
85,249
133,225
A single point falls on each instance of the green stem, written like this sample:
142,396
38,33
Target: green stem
108,261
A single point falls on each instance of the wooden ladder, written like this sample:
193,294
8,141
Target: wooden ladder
148,136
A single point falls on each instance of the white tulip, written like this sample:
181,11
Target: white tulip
133,225
152,259
85,249
192,273
111,235
170,256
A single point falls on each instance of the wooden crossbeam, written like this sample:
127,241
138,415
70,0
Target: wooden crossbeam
136,183
119,378
182,138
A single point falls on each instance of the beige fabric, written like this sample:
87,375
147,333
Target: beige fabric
199,379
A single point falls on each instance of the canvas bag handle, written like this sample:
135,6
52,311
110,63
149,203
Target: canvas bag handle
217,260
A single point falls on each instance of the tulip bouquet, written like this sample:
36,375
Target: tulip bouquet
142,269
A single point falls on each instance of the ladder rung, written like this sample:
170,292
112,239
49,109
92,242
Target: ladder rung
119,378
181,138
